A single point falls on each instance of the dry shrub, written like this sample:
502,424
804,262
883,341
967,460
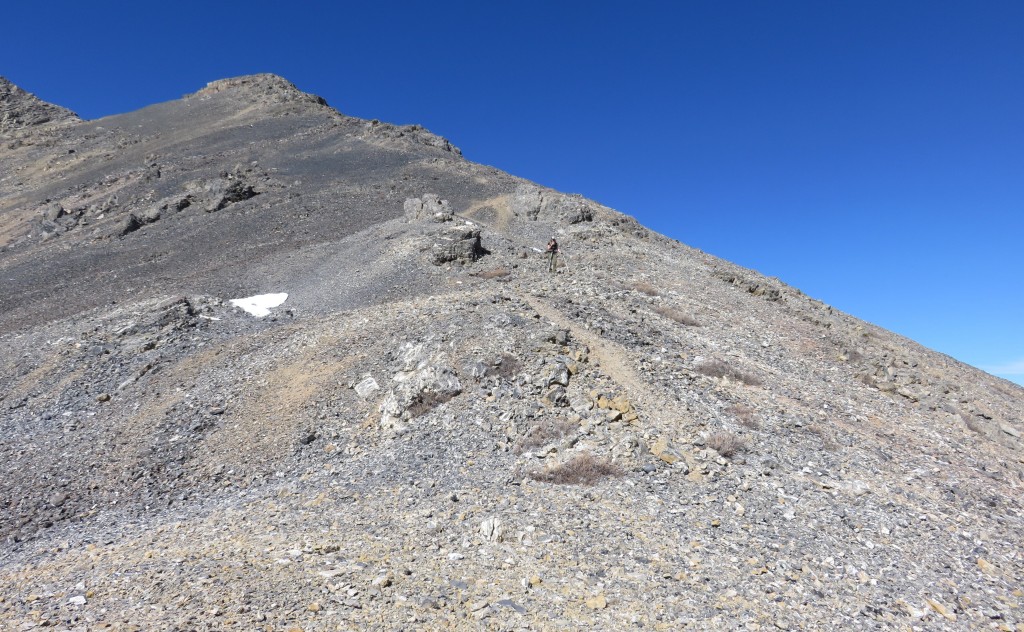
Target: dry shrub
744,414
496,273
867,379
644,288
544,433
717,368
676,315
506,368
427,401
726,443
853,356
582,469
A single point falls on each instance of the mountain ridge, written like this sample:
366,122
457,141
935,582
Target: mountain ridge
20,109
433,430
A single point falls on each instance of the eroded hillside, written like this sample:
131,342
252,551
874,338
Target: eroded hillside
433,431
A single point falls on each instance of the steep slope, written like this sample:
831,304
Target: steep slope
432,430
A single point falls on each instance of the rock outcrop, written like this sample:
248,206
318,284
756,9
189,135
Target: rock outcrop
534,202
20,109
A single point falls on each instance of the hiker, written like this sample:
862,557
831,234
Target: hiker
552,251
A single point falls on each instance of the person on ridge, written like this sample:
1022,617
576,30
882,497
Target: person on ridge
552,251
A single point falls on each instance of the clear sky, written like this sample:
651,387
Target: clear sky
869,153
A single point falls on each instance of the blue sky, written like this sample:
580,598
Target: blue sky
869,153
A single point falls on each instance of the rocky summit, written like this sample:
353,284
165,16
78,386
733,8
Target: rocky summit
266,366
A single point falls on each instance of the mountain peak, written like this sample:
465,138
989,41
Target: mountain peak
20,109
262,87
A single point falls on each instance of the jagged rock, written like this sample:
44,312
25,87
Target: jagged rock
430,206
414,133
422,384
476,370
438,210
53,212
492,530
366,387
556,397
581,404
218,194
130,224
559,374
168,206
666,451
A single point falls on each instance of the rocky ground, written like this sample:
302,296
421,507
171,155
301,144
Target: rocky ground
432,432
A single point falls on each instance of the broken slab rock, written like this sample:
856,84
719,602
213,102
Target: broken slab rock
456,243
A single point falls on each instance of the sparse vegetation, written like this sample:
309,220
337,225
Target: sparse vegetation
496,273
427,401
726,443
582,469
745,415
506,367
718,368
644,288
674,314
544,433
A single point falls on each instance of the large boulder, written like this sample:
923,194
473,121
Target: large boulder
456,243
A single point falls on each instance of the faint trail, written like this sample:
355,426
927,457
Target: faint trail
657,413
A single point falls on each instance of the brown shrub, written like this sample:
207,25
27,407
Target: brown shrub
644,288
427,401
506,368
543,433
676,315
717,368
496,273
726,443
744,414
582,469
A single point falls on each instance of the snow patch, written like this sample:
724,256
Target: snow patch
260,304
